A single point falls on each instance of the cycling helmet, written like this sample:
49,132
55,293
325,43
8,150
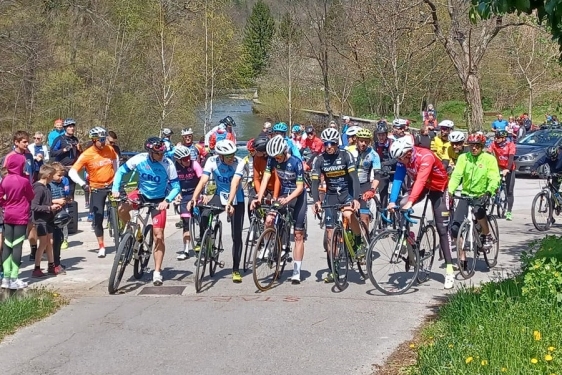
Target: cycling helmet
166,132
250,145
381,128
296,128
476,139
401,147
352,131
330,135
181,152
457,136
62,219
309,130
501,134
225,147
276,146
187,131
68,122
260,143
399,123
364,133
228,121
280,127
154,143
446,124
552,152
97,132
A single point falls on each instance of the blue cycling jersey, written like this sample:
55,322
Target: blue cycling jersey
293,149
368,162
223,174
154,177
290,172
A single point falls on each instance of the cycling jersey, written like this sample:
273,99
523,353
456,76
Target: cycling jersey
290,172
216,136
100,164
425,169
153,175
555,165
293,149
223,174
502,153
273,185
479,175
352,149
188,176
440,147
383,149
168,144
339,173
315,144
368,162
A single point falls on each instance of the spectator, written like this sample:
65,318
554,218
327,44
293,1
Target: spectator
499,124
66,149
60,188
56,132
112,141
430,111
333,124
346,125
425,137
312,142
266,130
39,152
430,122
512,129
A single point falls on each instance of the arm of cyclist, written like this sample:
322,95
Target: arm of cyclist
262,185
456,176
542,160
424,172
234,184
315,180
375,171
198,189
399,177
128,166
77,166
355,189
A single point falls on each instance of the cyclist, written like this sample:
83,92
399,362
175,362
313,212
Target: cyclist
440,144
456,138
388,164
222,132
281,129
552,157
227,170
504,151
480,177
197,152
273,186
399,126
100,162
189,172
352,140
425,137
291,175
296,135
429,179
157,175
342,186
312,142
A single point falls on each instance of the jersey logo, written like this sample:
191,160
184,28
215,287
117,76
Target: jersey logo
149,177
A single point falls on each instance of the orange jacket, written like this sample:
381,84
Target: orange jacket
273,185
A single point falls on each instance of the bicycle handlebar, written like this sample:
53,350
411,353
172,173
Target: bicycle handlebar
211,207
405,213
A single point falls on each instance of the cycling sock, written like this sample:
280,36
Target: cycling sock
101,245
297,266
187,246
33,249
450,269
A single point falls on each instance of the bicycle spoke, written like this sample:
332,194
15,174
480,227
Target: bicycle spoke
266,259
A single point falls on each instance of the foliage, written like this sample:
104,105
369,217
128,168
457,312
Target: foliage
258,35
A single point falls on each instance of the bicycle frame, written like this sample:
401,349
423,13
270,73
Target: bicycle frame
137,223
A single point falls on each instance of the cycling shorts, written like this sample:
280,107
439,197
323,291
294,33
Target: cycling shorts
184,213
364,209
299,211
158,217
330,215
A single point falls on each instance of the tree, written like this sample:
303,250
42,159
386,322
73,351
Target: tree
258,36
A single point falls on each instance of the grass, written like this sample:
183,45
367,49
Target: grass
512,326
23,308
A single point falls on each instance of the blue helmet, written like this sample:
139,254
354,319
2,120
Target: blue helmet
68,122
296,128
280,127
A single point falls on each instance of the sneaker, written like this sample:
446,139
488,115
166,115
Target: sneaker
183,255
38,273
101,252
236,277
329,279
5,283
16,284
157,278
60,270
52,271
508,216
449,281
296,278
90,217
197,247
64,245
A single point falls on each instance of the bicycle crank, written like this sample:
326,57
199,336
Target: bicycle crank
221,264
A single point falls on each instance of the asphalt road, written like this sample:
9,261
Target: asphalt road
309,328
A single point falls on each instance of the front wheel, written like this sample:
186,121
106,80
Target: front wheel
491,254
216,248
250,245
122,258
202,259
339,258
267,254
541,211
145,251
467,250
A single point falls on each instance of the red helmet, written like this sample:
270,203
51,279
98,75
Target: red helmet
476,138
250,145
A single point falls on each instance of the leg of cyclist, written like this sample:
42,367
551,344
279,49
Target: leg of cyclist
186,222
97,204
384,182
158,225
440,204
461,211
299,217
510,186
236,224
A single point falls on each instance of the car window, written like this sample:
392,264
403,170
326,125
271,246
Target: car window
542,137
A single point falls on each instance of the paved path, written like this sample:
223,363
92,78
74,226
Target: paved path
309,328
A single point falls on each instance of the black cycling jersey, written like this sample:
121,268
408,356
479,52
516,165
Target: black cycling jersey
339,173
383,149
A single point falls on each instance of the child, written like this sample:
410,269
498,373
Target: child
44,211
15,195
60,188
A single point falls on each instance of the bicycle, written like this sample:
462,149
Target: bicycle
498,202
469,241
211,246
406,252
273,247
549,202
135,243
256,227
342,249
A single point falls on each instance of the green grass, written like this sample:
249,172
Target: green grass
513,326
26,307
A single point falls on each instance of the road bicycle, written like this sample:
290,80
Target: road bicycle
397,257
211,246
545,204
135,244
254,230
498,203
470,243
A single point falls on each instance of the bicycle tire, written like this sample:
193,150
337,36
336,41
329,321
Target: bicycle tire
113,224
250,244
122,258
376,252
143,257
216,248
365,241
202,259
462,245
491,258
194,229
541,197
426,252
285,239
339,256
267,257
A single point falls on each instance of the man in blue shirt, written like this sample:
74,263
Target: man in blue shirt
54,134
499,124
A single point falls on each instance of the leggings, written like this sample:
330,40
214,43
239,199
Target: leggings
383,189
510,186
58,237
97,206
14,235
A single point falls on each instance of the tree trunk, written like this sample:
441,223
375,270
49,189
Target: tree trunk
474,102
326,87
530,101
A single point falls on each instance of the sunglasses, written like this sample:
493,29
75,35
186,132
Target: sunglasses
159,148
330,144
230,156
38,138
457,143
102,140
309,133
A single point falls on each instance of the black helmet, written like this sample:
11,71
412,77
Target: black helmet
228,121
552,152
62,219
309,130
155,144
260,143
381,128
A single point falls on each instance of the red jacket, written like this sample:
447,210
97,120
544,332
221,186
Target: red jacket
315,144
427,171
502,154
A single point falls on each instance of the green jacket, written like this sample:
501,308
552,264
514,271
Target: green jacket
479,174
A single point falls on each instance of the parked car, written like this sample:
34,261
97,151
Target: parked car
533,146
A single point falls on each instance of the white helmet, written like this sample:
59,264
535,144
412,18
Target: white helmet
330,135
97,132
352,130
276,146
399,123
225,147
186,131
447,124
181,152
457,136
167,132
401,147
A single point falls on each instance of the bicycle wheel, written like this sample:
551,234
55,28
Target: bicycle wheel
194,231
541,211
122,258
266,259
365,241
251,239
339,259
491,256
392,266
467,251
426,250
501,203
202,259
285,248
145,251
113,219
216,248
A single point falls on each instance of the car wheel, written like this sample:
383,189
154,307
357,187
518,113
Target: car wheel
545,170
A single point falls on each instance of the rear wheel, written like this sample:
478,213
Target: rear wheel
339,259
122,258
202,258
145,251
113,224
491,255
427,247
541,211
265,265
364,247
467,251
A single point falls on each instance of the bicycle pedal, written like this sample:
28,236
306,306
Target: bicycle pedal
221,264
289,259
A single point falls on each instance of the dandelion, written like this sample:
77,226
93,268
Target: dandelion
548,358
504,369
534,361
537,335
484,362
450,345
412,346
468,360
551,348
55,295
